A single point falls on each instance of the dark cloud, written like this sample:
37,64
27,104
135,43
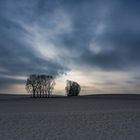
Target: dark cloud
104,34
118,40
16,57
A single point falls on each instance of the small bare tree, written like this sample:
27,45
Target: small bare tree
40,85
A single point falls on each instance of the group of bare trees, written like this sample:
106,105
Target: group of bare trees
72,88
40,85
43,85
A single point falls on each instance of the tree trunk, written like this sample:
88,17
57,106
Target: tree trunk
33,93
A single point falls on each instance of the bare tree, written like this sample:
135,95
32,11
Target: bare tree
40,85
72,88
31,85
49,85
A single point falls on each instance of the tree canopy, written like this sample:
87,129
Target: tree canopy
72,88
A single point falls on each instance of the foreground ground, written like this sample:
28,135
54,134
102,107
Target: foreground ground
102,117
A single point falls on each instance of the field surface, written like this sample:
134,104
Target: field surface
99,117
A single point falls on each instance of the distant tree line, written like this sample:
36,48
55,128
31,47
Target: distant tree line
43,85
40,85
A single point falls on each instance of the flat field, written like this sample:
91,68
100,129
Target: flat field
96,117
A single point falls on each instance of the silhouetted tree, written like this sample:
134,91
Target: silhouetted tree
40,85
31,84
72,88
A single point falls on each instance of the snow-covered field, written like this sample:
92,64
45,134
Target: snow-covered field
105,117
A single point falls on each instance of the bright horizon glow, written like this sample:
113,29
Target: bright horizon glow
91,83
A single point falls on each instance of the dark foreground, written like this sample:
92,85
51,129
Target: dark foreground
99,117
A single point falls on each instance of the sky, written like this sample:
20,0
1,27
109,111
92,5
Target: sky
93,42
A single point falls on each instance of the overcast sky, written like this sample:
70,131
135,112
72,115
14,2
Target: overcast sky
94,42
